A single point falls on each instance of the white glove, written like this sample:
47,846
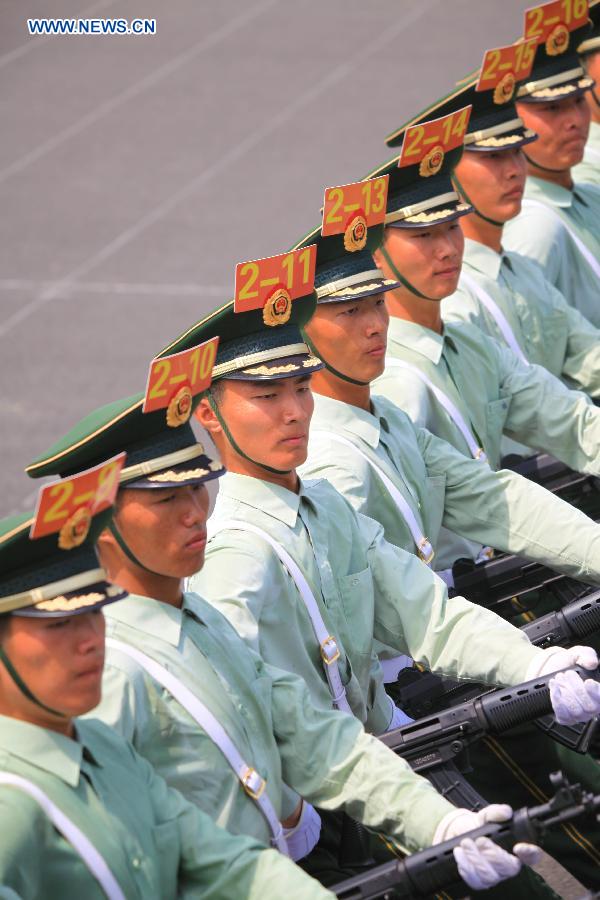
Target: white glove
399,717
481,863
304,836
573,699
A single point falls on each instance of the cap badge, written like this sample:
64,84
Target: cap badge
505,89
75,530
355,235
432,162
558,40
278,308
180,407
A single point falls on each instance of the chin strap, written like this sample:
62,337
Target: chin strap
112,527
533,163
399,277
329,367
233,442
468,200
23,687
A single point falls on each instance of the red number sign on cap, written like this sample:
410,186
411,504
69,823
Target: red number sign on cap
93,490
441,134
366,198
516,61
541,21
257,280
169,373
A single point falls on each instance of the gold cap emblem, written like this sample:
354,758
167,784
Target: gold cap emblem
355,235
278,308
75,530
504,90
180,407
432,162
557,41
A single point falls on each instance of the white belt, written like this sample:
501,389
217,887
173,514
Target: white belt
327,643
496,313
251,781
475,450
585,251
423,545
84,847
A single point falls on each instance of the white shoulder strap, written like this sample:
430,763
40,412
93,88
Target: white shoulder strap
251,781
475,450
424,549
595,154
71,833
585,251
327,643
496,313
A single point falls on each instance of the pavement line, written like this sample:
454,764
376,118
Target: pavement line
240,150
119,287
134,90
40,40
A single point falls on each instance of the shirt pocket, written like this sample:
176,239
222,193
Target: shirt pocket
167,857
358,603
495,416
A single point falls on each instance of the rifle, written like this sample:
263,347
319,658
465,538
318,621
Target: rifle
575,487
577,620
503,583
431,743
434,869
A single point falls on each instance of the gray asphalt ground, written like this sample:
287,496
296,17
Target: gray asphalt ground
136,171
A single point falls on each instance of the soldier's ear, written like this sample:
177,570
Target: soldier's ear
207,418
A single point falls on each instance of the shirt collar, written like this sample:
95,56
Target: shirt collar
336,414
547,192
418,338
147,615
44,749
265,496
482,258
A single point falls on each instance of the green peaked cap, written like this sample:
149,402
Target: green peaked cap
38,578
249,349
157,456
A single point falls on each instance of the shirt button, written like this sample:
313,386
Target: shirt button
354,582
136,862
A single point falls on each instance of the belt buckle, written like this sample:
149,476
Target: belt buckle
251,777
328,658
425,557
480,454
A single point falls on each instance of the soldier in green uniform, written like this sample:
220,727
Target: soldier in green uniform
188,693
82,814
440,487
502,292
292,565
558,223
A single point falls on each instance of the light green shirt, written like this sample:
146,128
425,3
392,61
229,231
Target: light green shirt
493,390
366,589
550,333
441,485
268,715
156,844
541,236
588,170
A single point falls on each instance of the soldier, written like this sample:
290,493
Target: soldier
558,223
502,292
82,814
589,168
439,486
408,480
308,582
183,686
